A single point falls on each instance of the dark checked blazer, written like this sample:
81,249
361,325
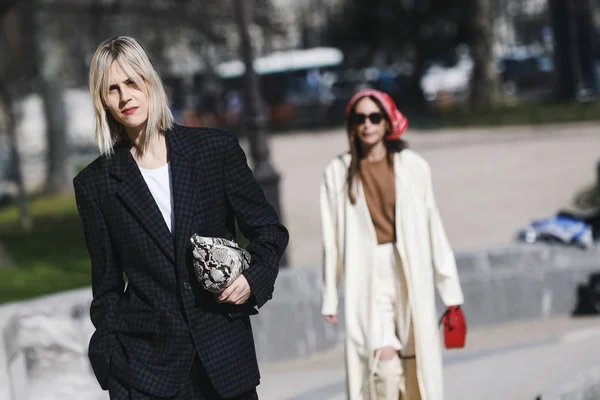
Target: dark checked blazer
148,331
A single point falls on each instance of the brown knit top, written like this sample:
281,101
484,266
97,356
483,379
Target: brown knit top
380,191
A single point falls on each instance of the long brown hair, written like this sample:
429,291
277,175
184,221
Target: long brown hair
394,146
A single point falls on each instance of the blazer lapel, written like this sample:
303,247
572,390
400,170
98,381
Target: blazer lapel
136,197
184,184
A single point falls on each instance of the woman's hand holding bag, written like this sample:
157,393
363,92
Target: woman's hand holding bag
455,328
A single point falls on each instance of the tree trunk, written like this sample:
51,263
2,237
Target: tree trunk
50,56
416,98
15,159
264,172
485,90
13,32
58,178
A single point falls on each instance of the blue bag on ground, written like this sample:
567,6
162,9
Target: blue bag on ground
560,228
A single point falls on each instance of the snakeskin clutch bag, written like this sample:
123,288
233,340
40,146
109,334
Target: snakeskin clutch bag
217,262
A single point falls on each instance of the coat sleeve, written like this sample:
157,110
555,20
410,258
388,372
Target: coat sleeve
257,220
107,283
444,263
331,258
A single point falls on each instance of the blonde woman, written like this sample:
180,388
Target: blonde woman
154,185
382,234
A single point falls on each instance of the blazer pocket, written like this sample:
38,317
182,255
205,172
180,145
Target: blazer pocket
240,311
142,322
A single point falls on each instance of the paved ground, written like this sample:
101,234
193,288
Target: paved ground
489,182
510,361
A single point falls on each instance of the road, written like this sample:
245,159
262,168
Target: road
489,183
513,361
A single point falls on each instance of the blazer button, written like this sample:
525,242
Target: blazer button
187,286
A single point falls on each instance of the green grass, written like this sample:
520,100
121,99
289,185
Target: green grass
51,257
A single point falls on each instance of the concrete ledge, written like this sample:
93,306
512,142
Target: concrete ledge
523,281
13,372
43,348
584,385
291,325
504,284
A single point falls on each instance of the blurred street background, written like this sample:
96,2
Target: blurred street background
502,98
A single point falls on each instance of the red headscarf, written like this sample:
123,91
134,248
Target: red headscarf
399,121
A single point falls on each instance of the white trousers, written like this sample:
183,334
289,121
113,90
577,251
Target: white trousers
395,378
392,315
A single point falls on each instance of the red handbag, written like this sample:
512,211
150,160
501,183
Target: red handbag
455,328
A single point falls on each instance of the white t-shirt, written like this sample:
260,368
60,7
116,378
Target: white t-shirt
159,183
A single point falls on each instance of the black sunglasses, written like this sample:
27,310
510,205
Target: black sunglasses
359,119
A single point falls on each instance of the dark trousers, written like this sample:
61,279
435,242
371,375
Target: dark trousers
197,387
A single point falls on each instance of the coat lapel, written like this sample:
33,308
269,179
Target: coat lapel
184,184
363,207
135,195
402,192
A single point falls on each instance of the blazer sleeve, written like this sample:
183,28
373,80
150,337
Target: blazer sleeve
107,283
444,263
332,267
257,220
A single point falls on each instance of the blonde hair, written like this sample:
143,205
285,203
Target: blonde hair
135,63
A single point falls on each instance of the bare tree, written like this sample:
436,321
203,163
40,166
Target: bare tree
51,58
485,88
6,106
46,64
11,74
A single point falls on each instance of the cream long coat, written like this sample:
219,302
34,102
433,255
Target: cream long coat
349,241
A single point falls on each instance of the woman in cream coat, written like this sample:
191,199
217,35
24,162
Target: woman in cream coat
383,235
